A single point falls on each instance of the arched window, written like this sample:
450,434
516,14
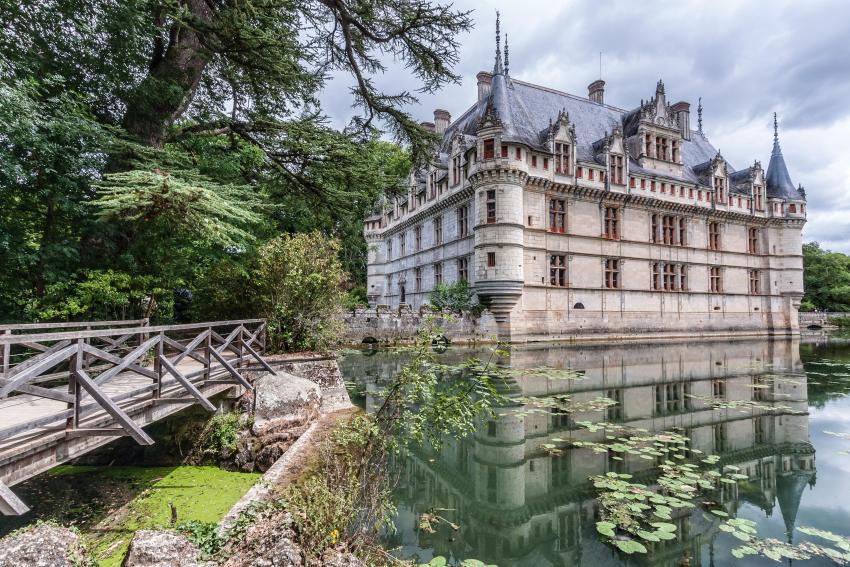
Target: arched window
578,305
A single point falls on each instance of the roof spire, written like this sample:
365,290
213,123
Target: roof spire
699,116
775,129
507,65
497,66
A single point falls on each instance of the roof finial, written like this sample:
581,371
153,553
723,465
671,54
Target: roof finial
507,64
497,67
699,116
775,129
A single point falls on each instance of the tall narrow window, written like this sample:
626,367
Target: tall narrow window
668,229
504,150
518,153
612,273
715,280
557,215
418,277
558,270
714,235
389,249
463,269
719,188
402,244
533,161
656,276
675,146
612,222
463,221
491,206
683,278
562,158
669,277
491,259
758,193
755,282
617,170
489,148
417,238
455,170
683,231
653,229
438,273
752,240
438,230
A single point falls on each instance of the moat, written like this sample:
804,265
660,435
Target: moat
770,408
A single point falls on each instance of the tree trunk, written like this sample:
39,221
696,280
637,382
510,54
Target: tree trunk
165,94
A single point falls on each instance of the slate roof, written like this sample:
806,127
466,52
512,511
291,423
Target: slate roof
526,111
777,179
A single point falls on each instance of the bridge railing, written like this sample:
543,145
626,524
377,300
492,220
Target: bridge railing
73,368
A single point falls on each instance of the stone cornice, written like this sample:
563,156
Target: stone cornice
447,202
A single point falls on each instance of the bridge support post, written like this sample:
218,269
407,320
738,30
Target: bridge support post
10,504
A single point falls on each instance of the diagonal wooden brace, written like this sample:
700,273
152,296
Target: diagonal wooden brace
238,377
109,357
188,349
259,358
112,408
21,374
127,360
187,384
10,504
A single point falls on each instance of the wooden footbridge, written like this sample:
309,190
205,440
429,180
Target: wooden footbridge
68,388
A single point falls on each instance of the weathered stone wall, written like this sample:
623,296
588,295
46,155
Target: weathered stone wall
402,325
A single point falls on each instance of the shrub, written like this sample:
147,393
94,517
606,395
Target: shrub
456,296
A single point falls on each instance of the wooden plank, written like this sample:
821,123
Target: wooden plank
109,357
227,341
20,367
236,376
127,360
39,337
192,346
45,361
73,325
96,432
193,391
177,401
112,408
55,395
181,348
262,362
10,504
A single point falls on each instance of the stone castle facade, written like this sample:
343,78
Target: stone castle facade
571,217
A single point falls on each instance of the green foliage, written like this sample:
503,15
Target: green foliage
204,535
455,297
826,277
219,436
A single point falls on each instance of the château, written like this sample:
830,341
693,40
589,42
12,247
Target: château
569,216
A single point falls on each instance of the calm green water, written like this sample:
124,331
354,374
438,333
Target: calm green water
517,504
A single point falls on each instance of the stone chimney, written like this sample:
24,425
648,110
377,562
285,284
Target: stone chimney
442,118
485,79
596,91
683,114
428,126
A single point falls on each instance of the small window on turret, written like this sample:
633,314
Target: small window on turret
504,151
491,259
489,148
533,161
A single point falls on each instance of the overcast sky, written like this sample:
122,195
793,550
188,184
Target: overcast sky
746,59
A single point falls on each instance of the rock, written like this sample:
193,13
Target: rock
284,395
43,545
152,548
337,559
267,543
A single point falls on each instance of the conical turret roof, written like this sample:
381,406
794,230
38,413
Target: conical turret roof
778,180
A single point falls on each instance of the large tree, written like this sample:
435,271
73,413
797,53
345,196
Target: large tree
184,130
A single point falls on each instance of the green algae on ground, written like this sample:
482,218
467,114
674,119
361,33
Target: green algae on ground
197,493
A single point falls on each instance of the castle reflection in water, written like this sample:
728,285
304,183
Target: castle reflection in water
517,504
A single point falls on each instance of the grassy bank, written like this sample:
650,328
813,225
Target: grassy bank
196,492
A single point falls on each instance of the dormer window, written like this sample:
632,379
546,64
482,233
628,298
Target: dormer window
489,148
675,145
562,158
617,169
758,193
719,189
455,170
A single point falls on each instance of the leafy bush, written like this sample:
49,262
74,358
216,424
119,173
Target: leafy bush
219,437
204,535
458,297
294,281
